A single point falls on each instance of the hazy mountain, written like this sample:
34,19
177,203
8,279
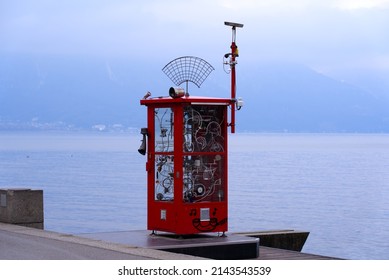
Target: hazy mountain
285,97
85,92
77,91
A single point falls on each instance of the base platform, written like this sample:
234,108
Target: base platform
213,246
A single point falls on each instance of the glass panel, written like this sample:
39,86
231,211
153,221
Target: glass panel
203,178
204,140
164,163
203,129
164,183
164,123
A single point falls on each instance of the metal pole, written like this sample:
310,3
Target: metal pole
233,79
233,55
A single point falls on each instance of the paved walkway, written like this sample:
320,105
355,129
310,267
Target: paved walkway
23,243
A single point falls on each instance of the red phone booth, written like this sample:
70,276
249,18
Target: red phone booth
187,172
187,164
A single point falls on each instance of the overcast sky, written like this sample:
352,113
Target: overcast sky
328,35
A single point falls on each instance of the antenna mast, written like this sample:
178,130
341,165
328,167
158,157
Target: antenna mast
234,53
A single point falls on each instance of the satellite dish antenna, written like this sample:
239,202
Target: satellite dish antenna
187,69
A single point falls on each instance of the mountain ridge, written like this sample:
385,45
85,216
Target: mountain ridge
82,93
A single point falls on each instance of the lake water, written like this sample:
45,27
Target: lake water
336,186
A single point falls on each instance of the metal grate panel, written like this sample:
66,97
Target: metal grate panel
188,69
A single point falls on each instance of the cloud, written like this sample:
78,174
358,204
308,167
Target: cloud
315,32
361,4
111,75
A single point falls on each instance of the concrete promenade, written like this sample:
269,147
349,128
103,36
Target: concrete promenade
24,243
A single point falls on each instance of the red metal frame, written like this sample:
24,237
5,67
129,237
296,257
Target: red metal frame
187,164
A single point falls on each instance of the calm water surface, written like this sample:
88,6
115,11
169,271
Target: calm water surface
334,185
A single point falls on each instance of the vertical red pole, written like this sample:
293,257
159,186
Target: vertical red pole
232,63
150,167
233,81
